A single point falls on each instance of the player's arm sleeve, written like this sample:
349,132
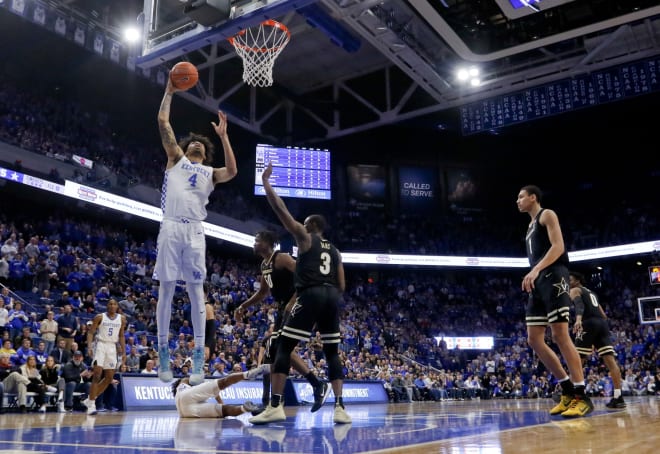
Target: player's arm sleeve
579,305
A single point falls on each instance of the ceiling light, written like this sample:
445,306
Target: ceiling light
132,34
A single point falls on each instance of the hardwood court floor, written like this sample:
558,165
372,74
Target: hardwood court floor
462,427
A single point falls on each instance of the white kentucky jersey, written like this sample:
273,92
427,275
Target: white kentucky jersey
108,329
186,190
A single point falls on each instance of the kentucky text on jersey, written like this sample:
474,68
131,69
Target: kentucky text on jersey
196,169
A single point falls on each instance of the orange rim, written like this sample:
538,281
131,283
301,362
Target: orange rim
269,23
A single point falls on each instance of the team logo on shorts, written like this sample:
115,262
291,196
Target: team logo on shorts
296,308
562,287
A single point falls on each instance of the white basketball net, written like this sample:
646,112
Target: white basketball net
259,46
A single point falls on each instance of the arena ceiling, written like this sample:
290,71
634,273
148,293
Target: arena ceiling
354,65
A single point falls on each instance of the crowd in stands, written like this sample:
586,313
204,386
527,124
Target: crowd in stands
61,270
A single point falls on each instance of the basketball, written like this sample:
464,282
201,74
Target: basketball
184,75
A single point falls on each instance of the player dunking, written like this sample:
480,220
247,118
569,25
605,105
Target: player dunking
189,180
109,328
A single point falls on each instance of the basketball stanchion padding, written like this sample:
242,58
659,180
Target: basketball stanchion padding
258,47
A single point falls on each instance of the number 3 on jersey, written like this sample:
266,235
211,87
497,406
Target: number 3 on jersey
325,263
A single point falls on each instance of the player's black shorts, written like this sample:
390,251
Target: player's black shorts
314,306
595,333
549,301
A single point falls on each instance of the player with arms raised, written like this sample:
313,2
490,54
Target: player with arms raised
189,180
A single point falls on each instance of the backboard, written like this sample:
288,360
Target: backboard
173,28
649,310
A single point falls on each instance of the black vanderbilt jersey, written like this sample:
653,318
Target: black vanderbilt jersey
318,265
587,305
537,242
280,281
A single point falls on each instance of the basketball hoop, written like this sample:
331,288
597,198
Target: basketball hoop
259,46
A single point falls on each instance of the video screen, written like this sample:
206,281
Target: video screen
302,173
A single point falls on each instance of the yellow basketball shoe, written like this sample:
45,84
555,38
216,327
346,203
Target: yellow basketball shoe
562,406
580,406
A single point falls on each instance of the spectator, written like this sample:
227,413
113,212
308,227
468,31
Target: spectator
25,334
399,389
6,298
149,354
4,269
48,329
12,381
67,325
219,369
50,375
8,348
186,329
420,384
30,371
61,354
133,360
77,378
17,318
24,352
149,367
4,316
41,353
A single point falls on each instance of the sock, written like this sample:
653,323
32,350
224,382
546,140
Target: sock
617,393
339,402
275,400
312,379
567,387
579,390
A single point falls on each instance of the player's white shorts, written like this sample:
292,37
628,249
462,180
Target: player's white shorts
194,402
181,251
105,355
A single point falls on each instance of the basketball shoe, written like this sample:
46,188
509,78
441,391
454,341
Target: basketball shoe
270,414
340,416
250,407
321,393
197,375
580,406
616,403
562,406
164,371
91,406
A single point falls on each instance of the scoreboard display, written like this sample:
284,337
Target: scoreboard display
302,173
